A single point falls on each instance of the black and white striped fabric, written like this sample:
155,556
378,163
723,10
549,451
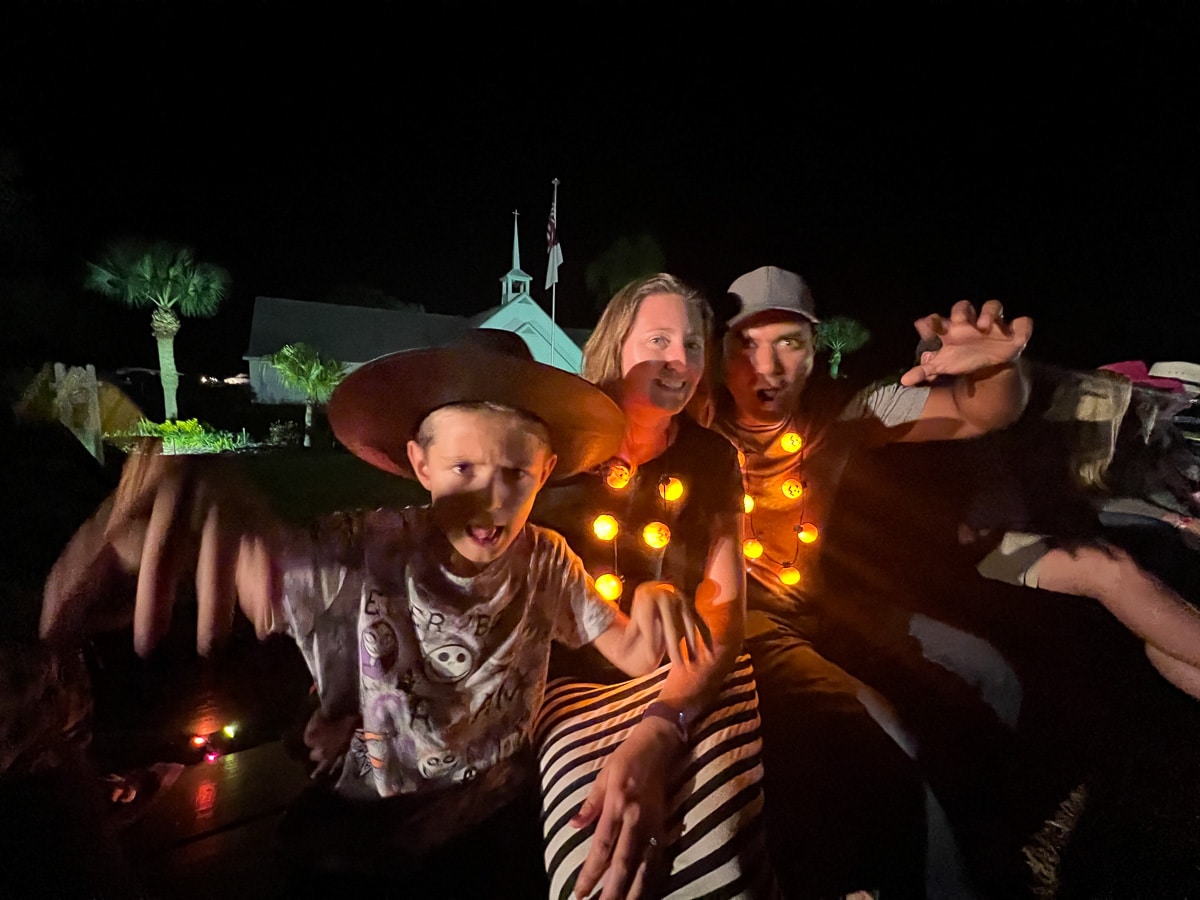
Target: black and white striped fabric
714,821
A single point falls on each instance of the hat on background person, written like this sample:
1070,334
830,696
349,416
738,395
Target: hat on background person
769,289
1188,374
1135,370
379,406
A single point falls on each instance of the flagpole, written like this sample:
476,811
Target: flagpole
554,287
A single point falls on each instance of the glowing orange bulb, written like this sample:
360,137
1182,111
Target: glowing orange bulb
752,549
670,488
792,489
656,535
789,575
807,533
741,459
199,740
748,504
605,527
791,442
618,476
609,587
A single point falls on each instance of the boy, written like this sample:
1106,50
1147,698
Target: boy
433,623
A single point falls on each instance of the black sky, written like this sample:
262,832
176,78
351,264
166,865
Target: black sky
1046,154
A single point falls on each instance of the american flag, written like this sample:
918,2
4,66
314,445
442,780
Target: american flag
553,247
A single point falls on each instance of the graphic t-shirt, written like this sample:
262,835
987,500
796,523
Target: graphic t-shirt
446,670
792,470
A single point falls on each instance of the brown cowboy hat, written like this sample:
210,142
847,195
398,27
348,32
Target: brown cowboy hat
377,409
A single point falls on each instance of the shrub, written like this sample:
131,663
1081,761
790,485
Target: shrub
182,436
284,433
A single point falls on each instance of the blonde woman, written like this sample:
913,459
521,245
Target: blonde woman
648,352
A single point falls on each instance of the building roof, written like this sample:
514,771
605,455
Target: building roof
349,334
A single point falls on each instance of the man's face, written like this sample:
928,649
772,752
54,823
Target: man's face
767,362
483,470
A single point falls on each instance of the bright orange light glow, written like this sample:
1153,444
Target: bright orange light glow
205,799
792,489
791,442
807,533
748,503
609,587
741,459
656,535
789,575
199,740
752,549
670,488
605,527
618,476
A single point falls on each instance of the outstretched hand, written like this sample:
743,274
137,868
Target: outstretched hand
968,342
168,514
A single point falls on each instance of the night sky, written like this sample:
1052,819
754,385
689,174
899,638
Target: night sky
1046,154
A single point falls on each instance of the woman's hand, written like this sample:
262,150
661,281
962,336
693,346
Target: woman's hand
628,803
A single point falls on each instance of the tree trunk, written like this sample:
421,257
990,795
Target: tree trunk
835,361
308,419
164,325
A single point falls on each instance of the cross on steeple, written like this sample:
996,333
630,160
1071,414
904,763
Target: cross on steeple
515,284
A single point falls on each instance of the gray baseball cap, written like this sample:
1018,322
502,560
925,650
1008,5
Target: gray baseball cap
771,288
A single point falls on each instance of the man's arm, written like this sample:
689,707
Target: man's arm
981,384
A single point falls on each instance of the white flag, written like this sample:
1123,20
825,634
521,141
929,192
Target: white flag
553,247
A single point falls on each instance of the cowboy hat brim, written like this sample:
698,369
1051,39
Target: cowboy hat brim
377,409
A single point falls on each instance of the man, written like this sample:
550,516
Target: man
842,789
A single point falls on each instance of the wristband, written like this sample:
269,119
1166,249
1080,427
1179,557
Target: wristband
660,709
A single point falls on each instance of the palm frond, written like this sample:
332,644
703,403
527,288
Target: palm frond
158,274
301,368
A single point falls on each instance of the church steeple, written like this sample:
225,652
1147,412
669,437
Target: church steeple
515,284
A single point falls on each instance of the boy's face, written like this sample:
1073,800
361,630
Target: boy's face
483,470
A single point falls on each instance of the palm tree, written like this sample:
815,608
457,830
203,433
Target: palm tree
840,335
301,368
624,260
167,278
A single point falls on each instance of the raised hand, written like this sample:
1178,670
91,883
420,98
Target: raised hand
968,342
168,514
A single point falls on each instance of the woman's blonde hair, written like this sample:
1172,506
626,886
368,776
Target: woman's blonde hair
602,352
